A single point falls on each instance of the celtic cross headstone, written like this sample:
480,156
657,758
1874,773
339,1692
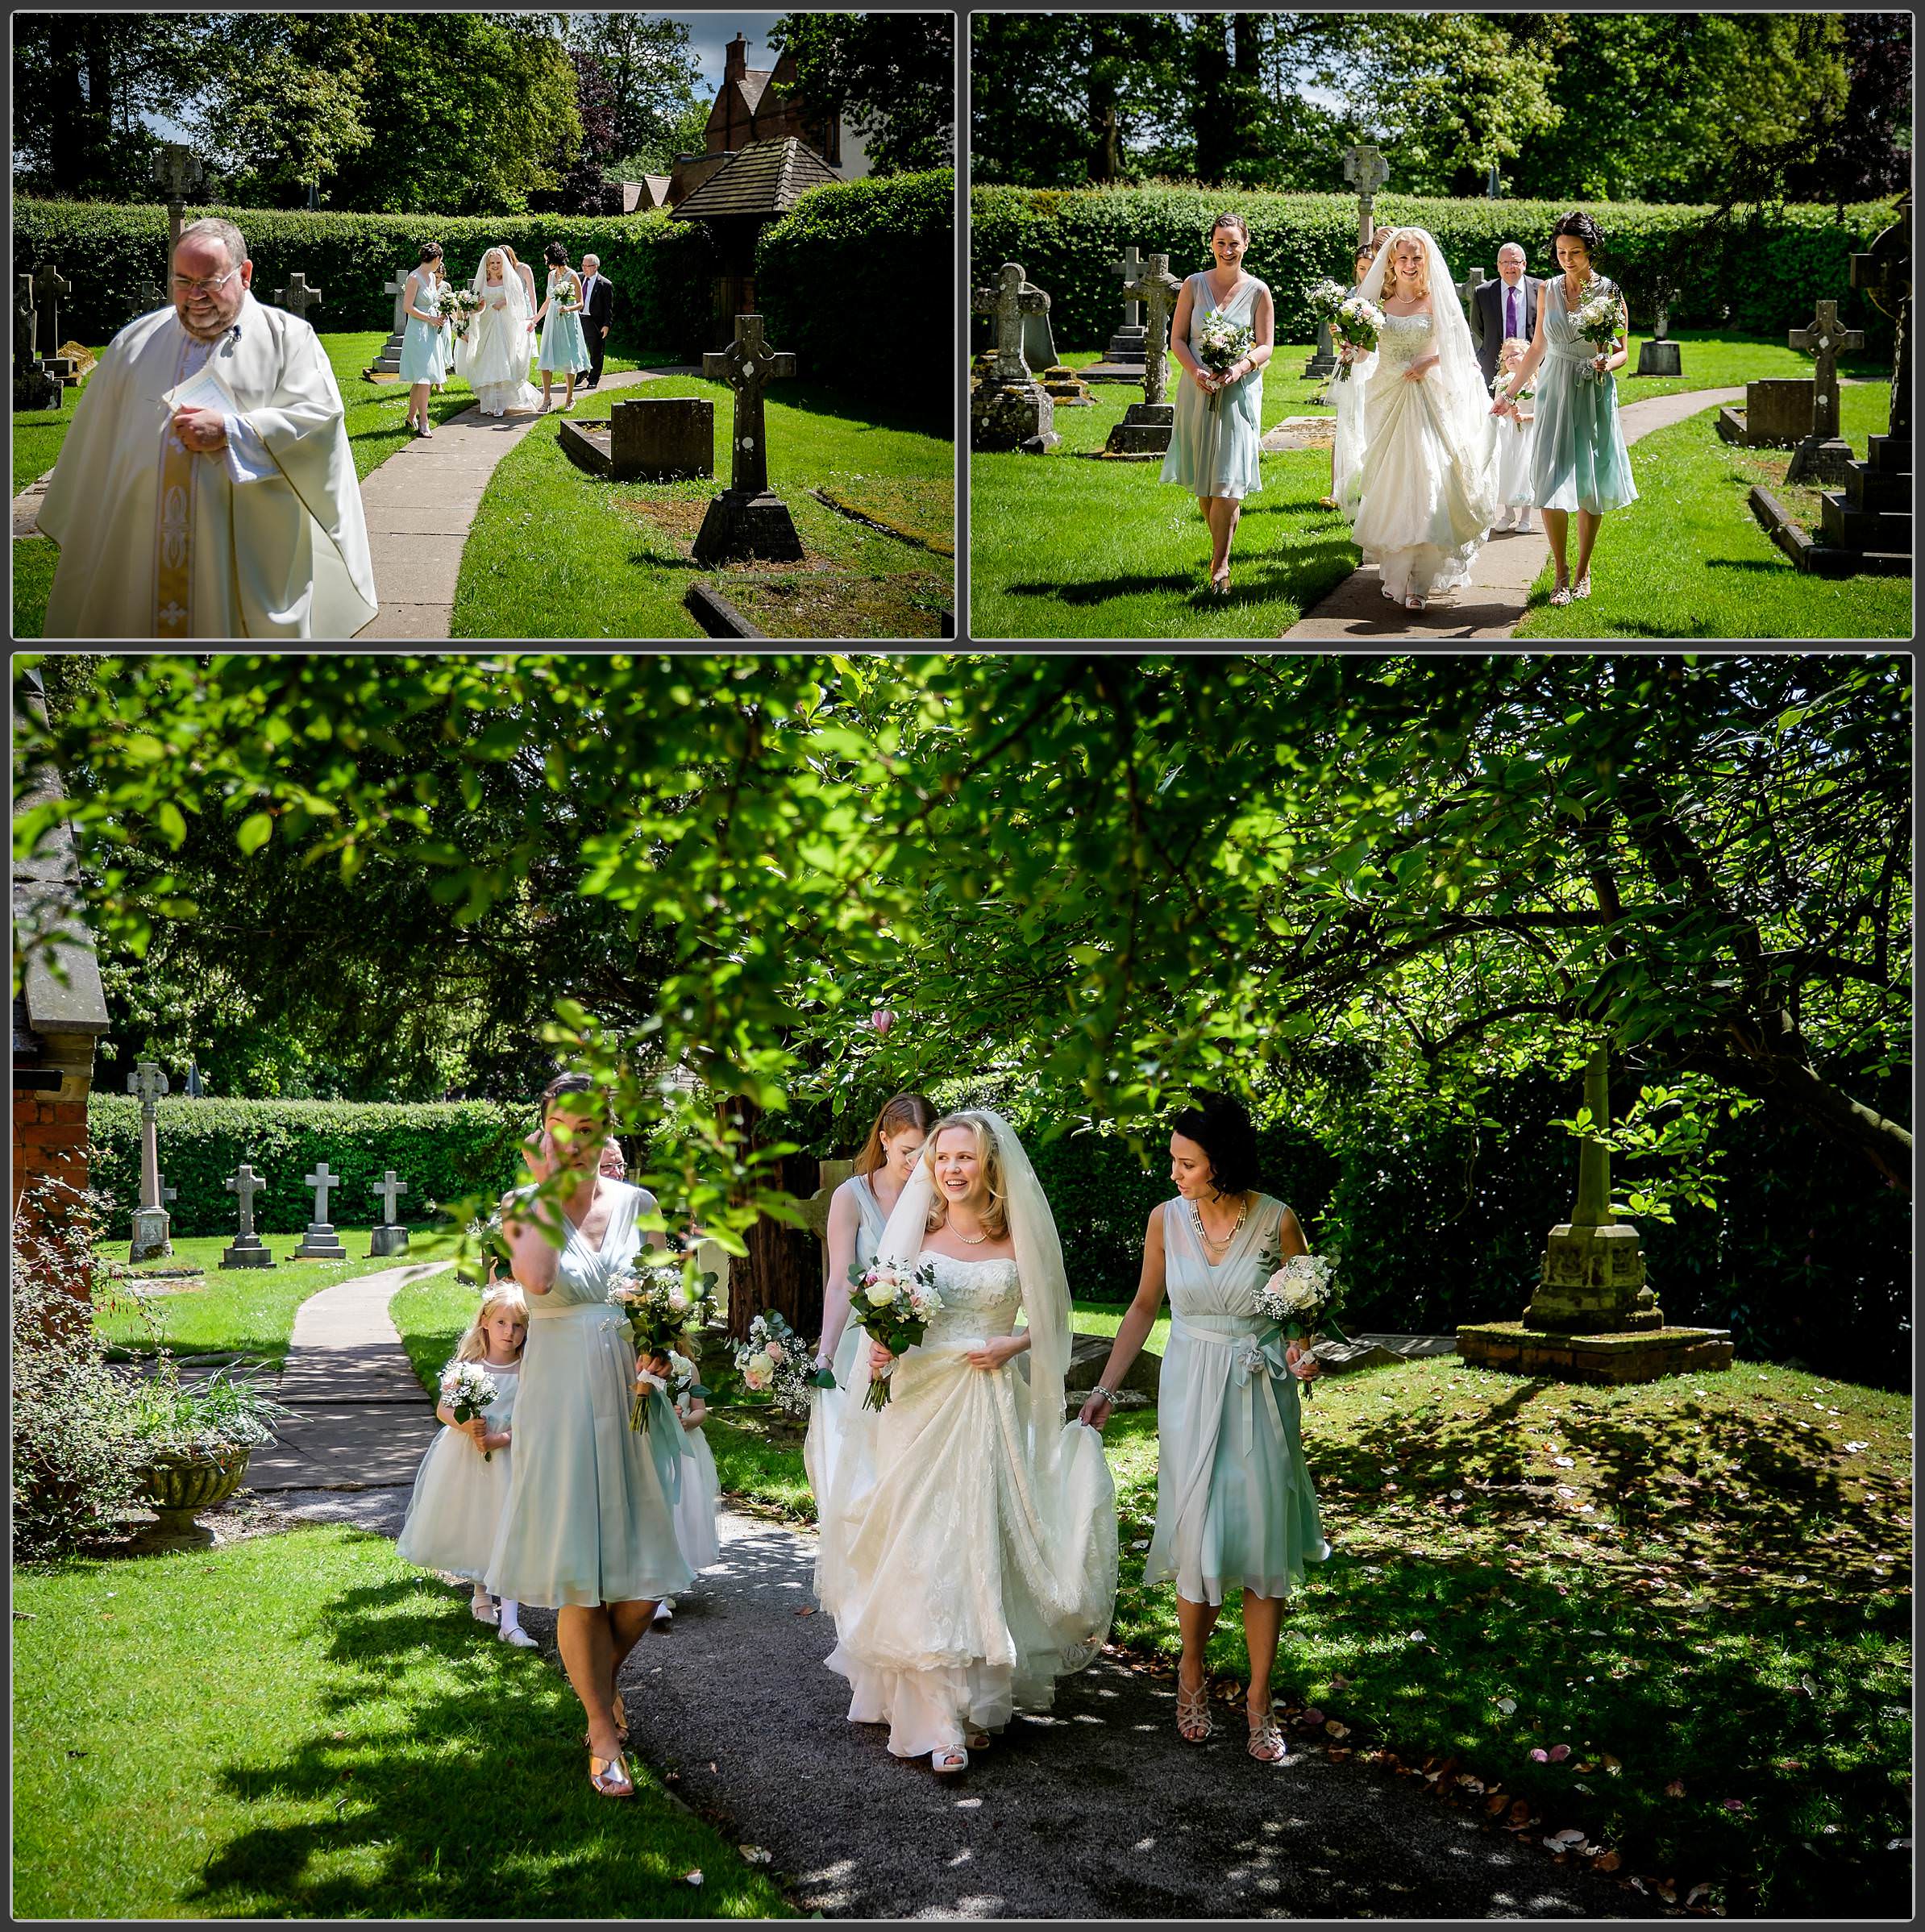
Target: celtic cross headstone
748,519
1366,170
1009,301
1146,428
150,1231
177,170
248,1250
297,298
1823,453
320,1243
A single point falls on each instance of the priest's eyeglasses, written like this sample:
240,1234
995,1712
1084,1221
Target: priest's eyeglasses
184,286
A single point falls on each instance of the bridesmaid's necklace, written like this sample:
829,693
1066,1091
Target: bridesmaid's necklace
1210,1240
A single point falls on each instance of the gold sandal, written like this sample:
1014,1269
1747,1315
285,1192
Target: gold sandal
1194,1722
621,1716
609,1777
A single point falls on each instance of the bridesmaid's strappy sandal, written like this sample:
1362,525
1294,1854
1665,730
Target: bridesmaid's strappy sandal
609,1777
1194,1722
947,1760
1561,596
1266,1744
1582,588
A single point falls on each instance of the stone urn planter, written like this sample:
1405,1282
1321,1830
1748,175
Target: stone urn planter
178,1488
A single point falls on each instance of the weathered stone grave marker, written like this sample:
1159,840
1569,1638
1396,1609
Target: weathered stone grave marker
645,439
1823,453
748,519
177,169
1123,359
390,1237
1144,433
248,1250
320,1243
297,298
150,1217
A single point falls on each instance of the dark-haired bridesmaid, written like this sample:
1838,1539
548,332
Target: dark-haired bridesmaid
1234,1510
1579,460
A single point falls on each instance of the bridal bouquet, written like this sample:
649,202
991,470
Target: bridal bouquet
775,1362
492,1246
461,306
1355,326
1600,320
1325,298
467,1388
664,1311
894,1306
1220,343
1301,1297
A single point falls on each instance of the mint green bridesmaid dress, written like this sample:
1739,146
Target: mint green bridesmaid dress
1234,1510
590,1517
1218,452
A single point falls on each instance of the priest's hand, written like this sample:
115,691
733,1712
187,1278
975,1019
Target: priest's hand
205,431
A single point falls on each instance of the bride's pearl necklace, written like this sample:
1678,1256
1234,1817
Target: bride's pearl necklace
974,1240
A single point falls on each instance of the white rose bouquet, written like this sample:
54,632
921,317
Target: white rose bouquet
1221,342
1601,319
665,1306
1355,328
774,1362
461,306
467,1388
1301,1297
894,1306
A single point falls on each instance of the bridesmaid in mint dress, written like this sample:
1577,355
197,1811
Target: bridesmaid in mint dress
588,1529
564,346
1579,460
1214,451
1234,1510
421,353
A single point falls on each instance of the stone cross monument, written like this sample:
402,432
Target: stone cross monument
1009,301
1822,453
1469,285
150,1217
34,388
388,361
150,295
1145,427
1123,359
178,171
1367,171
319,1243
1884,274
1008,409
49,285
297,298
748,519
249,1250
390,1237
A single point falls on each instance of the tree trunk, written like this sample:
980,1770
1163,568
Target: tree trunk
1105,126
783,1269
1213,118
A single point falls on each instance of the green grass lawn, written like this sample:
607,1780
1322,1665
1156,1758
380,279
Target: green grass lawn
301,1725
1062,547
555,552
243,1310
1689,559
1651,1576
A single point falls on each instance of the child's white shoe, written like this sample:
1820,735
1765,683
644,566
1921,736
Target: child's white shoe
664,1611
482,1609
513,1633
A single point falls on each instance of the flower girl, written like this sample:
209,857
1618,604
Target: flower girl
462,1485
701,1492
1515,436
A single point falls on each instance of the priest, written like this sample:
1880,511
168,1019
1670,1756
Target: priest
206,488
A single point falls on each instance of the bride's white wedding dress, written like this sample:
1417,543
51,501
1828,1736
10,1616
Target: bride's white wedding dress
1423,497
968,1551
492,357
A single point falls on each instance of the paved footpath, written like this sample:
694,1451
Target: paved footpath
1492,603
1097,1811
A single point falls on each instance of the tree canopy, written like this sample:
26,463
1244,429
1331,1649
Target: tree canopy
1098,879
1622,106
892,76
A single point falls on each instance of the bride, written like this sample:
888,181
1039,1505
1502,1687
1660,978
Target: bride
1421,492
968,1550
492,357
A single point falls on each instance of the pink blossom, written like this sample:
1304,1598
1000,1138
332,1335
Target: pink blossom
882,1020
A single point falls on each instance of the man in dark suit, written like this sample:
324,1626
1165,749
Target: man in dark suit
598,313
1506,307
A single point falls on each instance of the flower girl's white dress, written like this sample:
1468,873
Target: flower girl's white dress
459,1494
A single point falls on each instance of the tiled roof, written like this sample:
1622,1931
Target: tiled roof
765,178
754,82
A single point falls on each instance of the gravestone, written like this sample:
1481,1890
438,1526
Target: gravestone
297,298
1366,170
657,439
390,1237
177,169
149,295
748,519
1883,275
34,388
1777,413
1322,356
1469,285
1594,1317
1144,433
1065,389
320,1243
150,1217
248,1249
1123,359
49,285
1659,355
1823,453
386,367
1008,409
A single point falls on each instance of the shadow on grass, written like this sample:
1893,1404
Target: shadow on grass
479,1807
1254,579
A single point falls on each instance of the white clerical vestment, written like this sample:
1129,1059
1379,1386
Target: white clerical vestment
266,539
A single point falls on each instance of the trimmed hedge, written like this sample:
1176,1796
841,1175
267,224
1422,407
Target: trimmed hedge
662,270
1765,280
861,250
442,1150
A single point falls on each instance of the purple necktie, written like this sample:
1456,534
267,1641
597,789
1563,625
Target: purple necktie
1510,312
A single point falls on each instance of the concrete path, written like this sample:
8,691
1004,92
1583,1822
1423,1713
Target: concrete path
421,504
26,507
1097,1811
360,1423
1492,603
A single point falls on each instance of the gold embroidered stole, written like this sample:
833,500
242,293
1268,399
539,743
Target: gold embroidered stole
173,534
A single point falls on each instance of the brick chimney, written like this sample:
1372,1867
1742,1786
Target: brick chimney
735,59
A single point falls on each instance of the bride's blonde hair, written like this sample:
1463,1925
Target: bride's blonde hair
996,1216
1390,263
500,260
